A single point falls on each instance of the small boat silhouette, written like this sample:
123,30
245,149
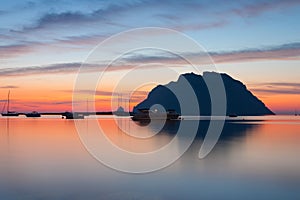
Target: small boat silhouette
71,115
147,114
8,112
33,114
232,115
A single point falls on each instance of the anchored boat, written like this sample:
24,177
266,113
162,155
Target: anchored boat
147,114
8,112
71,115
33,114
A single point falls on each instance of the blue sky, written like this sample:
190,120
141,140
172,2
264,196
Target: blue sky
244,37
217,25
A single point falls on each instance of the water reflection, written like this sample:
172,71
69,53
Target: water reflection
44,159
230,129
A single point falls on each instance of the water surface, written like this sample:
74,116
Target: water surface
45,159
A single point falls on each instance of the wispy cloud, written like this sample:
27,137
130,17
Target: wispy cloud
49,69
82,39
23,48
61,68
253,9
7,51
77,18
61,102
91,92
280,52
108,96
201,26
277,84
109,93
276,88
276,91
9,87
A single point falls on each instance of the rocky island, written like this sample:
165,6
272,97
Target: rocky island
240,101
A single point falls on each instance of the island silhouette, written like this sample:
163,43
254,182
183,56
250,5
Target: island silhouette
240,101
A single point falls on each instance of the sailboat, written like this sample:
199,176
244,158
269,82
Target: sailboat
8,113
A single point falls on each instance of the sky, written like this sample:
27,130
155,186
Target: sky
44,42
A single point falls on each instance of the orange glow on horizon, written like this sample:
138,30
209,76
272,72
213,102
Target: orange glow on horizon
59,101
278,103
54,94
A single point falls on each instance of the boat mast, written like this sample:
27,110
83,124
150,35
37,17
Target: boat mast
4,107
87,105
118,100
121,104
8,101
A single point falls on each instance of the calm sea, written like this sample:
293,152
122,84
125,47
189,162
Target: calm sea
44,158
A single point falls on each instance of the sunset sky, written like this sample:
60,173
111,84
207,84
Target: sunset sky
44,42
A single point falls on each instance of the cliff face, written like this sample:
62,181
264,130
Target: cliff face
240,101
